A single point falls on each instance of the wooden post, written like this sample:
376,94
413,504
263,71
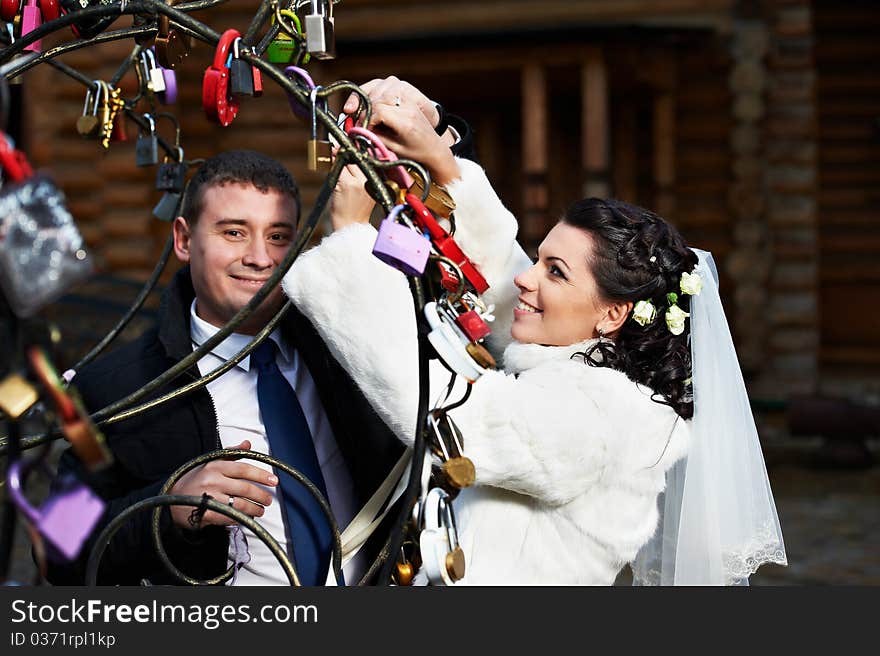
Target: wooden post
594,124
534,151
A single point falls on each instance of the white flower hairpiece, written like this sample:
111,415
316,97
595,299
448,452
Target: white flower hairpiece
644,312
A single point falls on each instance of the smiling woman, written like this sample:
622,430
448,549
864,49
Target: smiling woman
573,440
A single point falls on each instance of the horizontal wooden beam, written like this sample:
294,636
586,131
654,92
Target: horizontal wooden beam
395,19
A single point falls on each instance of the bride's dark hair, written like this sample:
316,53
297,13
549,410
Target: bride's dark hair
638,256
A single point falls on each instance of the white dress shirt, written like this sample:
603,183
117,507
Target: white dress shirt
238,418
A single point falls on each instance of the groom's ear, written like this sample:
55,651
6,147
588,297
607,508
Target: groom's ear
618,312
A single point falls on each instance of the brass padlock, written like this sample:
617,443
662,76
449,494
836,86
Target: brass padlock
319,149
455,564
172,45
89,124
459,472
439,201
17,395
479,353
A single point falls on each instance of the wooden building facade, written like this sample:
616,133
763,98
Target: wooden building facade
752,125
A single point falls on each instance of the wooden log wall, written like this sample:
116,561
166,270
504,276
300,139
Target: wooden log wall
847,54
791,316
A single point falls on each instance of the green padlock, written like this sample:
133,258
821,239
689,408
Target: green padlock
284,48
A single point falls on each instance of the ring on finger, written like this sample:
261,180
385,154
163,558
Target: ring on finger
231,502
397,101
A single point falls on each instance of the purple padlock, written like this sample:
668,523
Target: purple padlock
169,96
400,246
301,111
66,518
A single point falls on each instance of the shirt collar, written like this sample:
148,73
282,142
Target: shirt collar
201,331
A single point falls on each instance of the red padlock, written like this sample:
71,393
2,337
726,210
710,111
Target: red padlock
50,10
444,243
220,106
9,9
472,325
13,162
258,82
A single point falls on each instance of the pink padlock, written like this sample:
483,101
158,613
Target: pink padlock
31,19
400,246
66,518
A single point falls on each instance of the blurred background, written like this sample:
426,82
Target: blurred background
754,126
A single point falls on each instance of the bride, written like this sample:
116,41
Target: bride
616,430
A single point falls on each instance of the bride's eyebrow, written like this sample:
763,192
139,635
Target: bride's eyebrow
553,258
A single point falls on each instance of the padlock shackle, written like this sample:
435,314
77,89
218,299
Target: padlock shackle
425,218
302,73
398,173
221,53
15,477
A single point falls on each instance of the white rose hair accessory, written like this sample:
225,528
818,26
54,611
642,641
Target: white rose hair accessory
644,312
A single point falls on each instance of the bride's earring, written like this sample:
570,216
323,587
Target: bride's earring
601,332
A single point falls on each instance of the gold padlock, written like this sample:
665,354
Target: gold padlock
479,353
17,395
439,201
459,472
455,564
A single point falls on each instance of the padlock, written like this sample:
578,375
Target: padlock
457,470
219,105
50,9
88,27
172,45
472,325
288,46
319,150
17,395
119,131
438,201
111,106
169,96
152,72
241,74
171,176
442,557
146,150
400,246
9,9
481,355
31,19
320,36
299,110
66,518
448,344
88,124
42,252
167,209
445,244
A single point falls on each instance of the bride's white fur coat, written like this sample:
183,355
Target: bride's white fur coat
570,458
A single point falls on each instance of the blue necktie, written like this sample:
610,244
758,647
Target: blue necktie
308,529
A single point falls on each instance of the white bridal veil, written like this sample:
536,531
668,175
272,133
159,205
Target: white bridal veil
718,520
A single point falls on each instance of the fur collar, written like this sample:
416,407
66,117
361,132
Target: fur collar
519,357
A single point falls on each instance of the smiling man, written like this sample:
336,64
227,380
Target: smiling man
236,226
